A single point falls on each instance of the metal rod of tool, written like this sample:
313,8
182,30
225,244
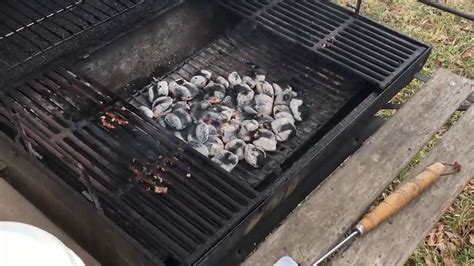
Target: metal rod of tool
391,205
357,8
338,246
448,9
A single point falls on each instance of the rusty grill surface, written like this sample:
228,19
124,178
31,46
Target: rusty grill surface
249,50
201,203
370,50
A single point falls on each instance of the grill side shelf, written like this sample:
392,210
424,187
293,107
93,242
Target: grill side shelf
370,50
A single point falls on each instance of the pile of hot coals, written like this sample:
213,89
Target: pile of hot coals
227,119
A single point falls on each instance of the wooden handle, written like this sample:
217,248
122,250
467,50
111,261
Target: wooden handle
400,197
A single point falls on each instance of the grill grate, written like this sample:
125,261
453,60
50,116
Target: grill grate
249,50
38,32
33,27
175,225
374,52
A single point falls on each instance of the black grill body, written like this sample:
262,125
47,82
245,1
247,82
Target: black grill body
209,216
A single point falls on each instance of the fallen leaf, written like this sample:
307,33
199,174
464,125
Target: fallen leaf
430,240
428,261
448,260
454,238
470,185
471,239
467,53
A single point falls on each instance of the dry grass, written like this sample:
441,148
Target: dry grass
451,241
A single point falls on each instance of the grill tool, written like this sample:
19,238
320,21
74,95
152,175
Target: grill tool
384,210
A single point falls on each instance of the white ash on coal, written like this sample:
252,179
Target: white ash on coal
238,118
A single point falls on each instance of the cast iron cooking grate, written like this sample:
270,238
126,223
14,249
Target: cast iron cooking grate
251,49
38,32
372,51
202,202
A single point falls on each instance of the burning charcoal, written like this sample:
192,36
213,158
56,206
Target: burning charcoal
163,89
221,80
240,88
249,109
285,96
234,79
259,77
201,148
226,112
173,121
192,88
178,119
181,105
230,130
248,130
226,159
245,98
229,102
283,111
213,116
156,89
220,114
255,156
266,140
162,122
205,73
198,110
277,90
147,111
283,129
214,145
214,93
249,81
250,125
182,93
199,81
299,110
263,104
285,115
237,147
202,132
263,87
161,105
278,108
266,121
172,85
190,133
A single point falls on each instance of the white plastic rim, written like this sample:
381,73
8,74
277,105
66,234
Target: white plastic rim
23,244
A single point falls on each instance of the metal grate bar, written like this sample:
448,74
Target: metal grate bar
175,224
41,19
48,28
373,52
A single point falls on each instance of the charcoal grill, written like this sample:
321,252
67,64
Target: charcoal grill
345,66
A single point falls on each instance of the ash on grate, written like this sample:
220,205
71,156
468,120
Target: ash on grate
227,119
